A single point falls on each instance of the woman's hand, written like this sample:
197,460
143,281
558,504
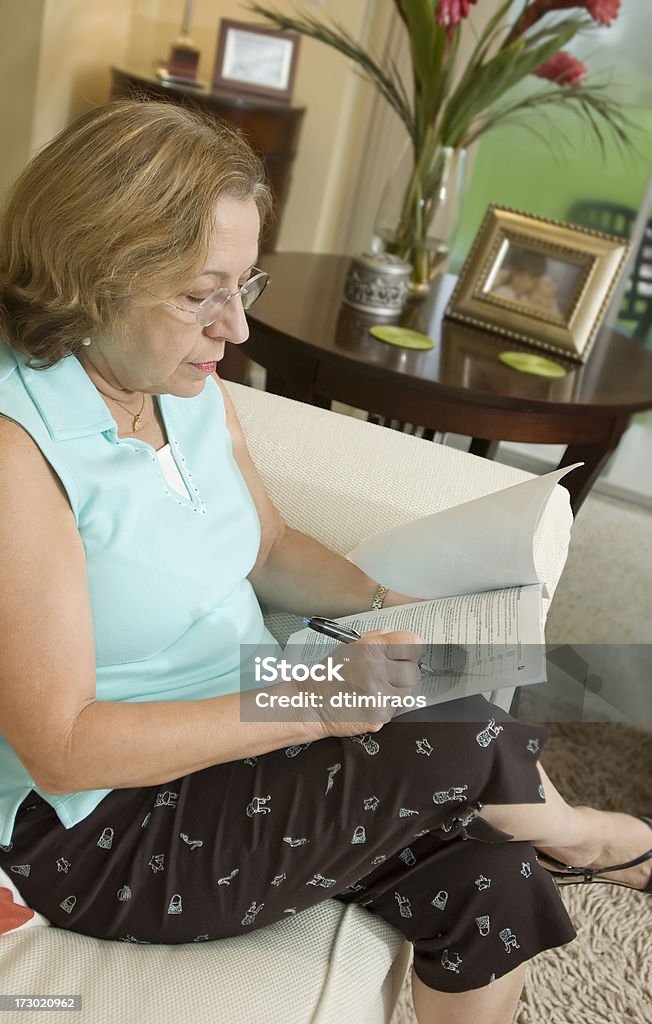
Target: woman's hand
379,665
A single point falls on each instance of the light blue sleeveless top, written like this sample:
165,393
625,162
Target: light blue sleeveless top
166,573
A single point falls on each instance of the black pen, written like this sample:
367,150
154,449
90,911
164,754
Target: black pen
346,634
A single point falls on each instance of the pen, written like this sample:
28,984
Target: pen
346,634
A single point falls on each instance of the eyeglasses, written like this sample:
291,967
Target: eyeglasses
211,308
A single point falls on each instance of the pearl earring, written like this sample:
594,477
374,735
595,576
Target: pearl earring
86,341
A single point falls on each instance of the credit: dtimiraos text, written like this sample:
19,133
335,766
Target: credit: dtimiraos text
271,670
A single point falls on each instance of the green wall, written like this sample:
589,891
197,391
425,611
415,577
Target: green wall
542,174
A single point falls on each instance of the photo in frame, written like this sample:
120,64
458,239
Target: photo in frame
539,281
255,59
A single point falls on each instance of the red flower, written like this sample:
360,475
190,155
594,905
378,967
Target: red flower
562,68
450,12
603,11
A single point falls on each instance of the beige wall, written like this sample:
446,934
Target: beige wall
57,65
325,84
80,40
20,31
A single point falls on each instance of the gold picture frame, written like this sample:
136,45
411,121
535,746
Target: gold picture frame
539,281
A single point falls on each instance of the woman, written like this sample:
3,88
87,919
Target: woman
138,540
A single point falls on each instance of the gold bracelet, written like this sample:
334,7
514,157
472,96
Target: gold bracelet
379,597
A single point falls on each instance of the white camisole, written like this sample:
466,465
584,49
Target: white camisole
170,471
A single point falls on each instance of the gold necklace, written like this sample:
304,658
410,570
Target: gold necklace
138,418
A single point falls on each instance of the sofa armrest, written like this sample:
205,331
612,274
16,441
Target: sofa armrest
342,479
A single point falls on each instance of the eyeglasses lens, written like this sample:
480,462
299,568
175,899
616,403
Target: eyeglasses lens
253,291
209,311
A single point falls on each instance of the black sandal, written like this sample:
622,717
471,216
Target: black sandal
574,876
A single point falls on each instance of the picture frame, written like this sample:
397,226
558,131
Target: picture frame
253,59
539,281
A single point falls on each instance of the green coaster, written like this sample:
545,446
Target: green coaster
525,362
403,337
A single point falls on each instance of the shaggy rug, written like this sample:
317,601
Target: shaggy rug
605,975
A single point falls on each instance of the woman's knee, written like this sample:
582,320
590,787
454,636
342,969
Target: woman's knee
492,1004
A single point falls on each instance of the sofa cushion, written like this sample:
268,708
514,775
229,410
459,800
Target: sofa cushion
331,962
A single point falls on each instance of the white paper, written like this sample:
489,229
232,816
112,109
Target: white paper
483,544
477,643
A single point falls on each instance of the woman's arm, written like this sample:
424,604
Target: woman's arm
301,575
293,571
66,739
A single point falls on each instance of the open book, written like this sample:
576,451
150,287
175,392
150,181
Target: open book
482,620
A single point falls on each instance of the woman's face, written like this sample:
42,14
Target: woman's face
163,347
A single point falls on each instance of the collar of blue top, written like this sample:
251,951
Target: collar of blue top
64,395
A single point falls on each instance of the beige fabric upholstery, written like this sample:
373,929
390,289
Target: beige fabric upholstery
315,967
340,479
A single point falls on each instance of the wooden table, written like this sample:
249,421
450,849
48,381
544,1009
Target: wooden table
316,350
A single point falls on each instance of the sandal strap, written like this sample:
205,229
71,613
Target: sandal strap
628,864
560,863
581,874
588,873
637,860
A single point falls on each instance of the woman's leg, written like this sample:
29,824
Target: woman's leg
582,836
493,1004
576,835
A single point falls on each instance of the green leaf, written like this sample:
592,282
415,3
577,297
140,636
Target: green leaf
492,80
426,38
428,48
436,116
488,34
590,104
389,83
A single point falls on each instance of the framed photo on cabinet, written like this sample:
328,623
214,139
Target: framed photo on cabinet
255,59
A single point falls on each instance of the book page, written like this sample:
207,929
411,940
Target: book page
483,544
475,643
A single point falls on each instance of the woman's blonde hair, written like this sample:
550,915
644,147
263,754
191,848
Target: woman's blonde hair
119,203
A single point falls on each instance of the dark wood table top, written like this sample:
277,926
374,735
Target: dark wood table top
316,349
304,305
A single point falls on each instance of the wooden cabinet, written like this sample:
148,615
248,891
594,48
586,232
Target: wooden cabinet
272,129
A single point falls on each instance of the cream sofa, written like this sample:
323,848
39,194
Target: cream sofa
339,479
